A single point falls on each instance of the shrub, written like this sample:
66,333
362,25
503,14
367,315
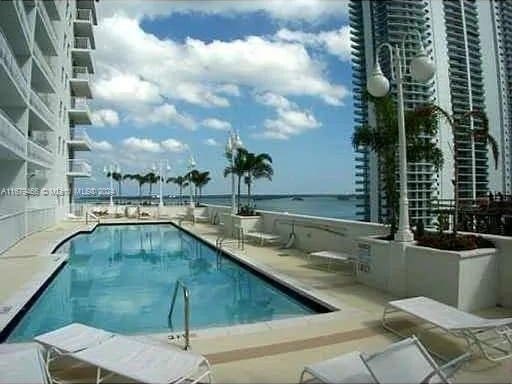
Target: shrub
451,242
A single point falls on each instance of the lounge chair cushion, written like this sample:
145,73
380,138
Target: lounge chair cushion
445,316
140,361
73,337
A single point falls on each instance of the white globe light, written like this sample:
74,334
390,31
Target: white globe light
422,68
378,84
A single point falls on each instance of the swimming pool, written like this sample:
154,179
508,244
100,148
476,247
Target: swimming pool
121,278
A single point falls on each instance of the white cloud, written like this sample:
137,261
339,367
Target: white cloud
166,113
290,121
296,10
217,124
127,88
139,70
142,145
335,42
104,117
146,145
211,142
173,145
102,145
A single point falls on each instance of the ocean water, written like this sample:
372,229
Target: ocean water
121,278
323,206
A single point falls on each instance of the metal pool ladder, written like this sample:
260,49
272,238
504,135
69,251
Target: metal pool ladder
186,301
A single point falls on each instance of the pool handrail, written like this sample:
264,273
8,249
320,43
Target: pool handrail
186,301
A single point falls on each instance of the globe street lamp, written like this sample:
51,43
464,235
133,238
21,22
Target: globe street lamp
110,170
421,69
233,145
162,164
191,167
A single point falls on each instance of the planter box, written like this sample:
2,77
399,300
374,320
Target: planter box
248,223
464,279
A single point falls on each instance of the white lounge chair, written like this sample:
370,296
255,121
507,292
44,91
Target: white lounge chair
22,365
331,256
70,339
406,361
120,355
493,337
201,218
144,363
263,238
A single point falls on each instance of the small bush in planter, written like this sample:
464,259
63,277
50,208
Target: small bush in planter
451,242
246,210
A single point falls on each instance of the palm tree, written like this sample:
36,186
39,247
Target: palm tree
382,139
237,168
140,179
458,127
151,178
181,182
117,176
257,167
201,179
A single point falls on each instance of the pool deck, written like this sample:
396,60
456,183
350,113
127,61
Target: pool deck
268,352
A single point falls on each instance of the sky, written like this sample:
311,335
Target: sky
174,77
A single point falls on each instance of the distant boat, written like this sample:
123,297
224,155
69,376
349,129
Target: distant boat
343,197
297,198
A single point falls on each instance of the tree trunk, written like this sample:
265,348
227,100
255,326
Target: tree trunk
238,200
140,190
150,189
249,181
181,194
455,186
119,187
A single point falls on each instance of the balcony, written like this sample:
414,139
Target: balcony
42,111
79,113
37,155
81,82
45,30
83,25
79,140
12,141
82,53
79,168
9,69
44,76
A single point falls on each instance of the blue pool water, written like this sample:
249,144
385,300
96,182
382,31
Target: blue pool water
121,278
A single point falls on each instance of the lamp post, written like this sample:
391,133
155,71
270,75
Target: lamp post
167,168
233,145
110,169
191,166
421,69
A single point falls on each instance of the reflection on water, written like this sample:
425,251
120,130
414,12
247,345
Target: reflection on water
121,278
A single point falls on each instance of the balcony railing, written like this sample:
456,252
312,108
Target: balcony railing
11,136
84,15
44,64
81,73
47,22
80,134
42,108
79,167
7,57
79,104
82,43
38,154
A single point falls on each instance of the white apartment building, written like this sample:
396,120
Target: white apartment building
466,54
46,65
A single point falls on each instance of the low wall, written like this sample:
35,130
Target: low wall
313,233
17,225
466,279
